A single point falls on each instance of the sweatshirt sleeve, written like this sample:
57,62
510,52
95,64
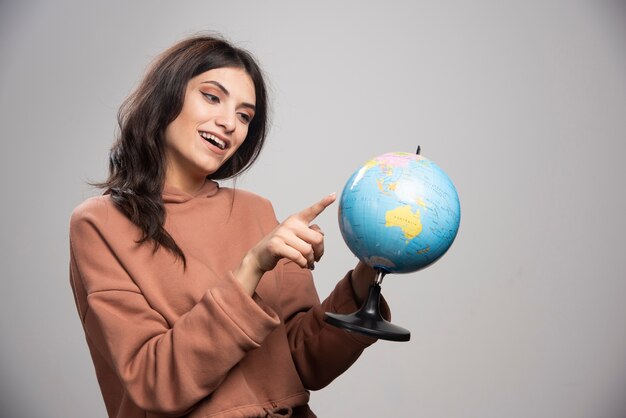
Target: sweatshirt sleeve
165,368
320,351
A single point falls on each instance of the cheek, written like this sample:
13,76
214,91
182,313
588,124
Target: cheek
239,143
243,134
169,136
186,121
178,128
172,134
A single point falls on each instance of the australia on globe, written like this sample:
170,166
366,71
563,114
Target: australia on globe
399,212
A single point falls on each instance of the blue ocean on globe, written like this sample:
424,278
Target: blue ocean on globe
400,212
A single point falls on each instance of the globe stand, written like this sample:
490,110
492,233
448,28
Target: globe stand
368,320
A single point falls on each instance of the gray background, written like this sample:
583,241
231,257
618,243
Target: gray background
522,103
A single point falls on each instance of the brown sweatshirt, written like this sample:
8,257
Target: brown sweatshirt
168,341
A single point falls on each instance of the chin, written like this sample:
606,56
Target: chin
209,167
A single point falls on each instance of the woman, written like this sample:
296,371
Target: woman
195,301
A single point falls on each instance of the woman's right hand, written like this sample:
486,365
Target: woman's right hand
295,239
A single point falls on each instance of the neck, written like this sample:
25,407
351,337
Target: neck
187,184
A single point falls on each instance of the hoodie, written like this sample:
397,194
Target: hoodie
172,341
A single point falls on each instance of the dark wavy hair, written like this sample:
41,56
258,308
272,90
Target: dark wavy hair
137,159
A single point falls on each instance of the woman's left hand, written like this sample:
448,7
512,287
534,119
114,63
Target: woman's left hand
362,277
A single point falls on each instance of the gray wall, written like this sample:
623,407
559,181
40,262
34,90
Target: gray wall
522,103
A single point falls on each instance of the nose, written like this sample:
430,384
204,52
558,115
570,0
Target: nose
226,120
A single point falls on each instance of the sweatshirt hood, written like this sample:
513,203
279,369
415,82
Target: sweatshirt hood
172,194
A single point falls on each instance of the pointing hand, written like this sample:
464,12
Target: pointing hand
295,239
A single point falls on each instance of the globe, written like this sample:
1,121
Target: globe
399,212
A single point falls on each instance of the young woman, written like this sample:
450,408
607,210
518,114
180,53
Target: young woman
195,301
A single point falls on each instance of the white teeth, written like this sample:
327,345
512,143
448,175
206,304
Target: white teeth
213,139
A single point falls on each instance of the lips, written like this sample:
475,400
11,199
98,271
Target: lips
214,140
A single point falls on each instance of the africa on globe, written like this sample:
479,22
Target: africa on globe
399,212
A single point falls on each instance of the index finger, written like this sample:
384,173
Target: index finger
313,211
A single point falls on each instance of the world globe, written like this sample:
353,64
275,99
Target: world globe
399,212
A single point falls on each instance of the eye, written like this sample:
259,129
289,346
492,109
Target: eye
245,118
211,97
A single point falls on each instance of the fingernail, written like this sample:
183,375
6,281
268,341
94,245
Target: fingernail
333,194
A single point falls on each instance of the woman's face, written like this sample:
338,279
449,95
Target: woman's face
213,123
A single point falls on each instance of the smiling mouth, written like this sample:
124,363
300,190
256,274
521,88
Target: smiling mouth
213,140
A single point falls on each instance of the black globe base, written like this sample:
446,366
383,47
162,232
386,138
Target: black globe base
368,320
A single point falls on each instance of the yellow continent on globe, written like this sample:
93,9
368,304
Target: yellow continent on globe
407,220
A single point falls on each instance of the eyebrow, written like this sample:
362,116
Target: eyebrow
227,93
